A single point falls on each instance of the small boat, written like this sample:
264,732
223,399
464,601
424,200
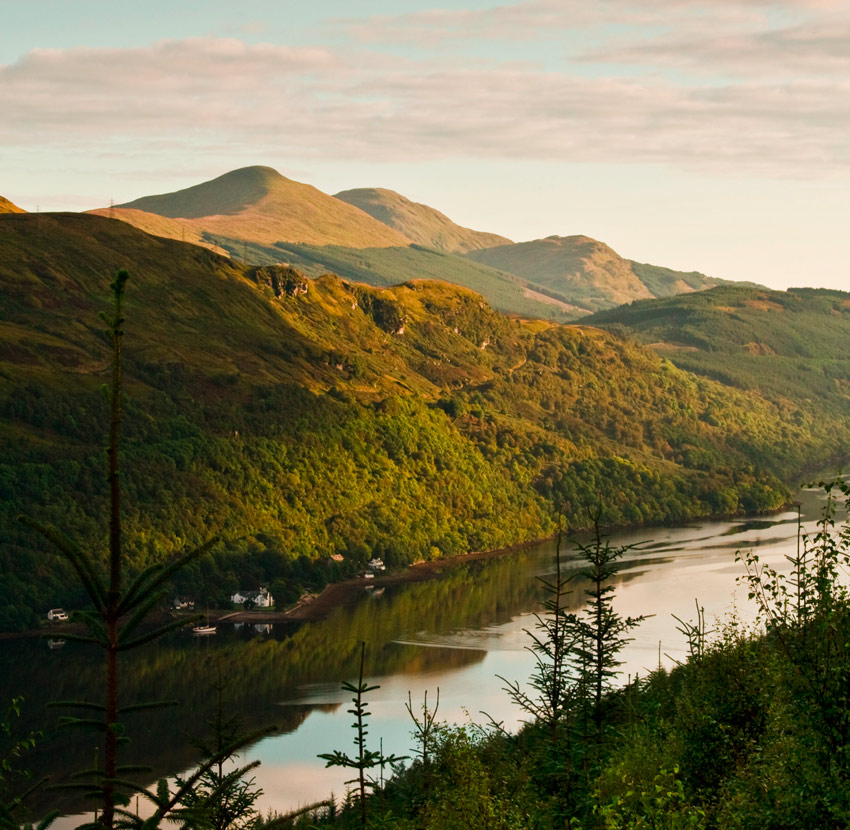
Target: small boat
201,629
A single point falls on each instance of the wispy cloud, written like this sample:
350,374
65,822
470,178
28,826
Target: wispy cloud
545,19
757,88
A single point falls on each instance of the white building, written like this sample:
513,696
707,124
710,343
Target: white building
258,599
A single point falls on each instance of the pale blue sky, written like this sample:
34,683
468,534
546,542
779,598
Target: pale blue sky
698,134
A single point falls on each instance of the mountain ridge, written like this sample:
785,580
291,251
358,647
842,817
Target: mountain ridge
255,204
256,212
589,272
418,222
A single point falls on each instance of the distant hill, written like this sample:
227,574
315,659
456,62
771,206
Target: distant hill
379,237
784,345
256,204
8,207
305,417
420,223
588,273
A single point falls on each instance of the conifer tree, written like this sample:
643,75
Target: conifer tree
118,610
365,758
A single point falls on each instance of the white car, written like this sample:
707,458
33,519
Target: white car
57,615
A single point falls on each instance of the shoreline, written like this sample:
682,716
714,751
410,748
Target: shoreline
340,594
317,607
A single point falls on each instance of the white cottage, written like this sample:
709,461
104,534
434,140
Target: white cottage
257,599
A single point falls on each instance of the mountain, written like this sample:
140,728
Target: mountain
300,417
257,215
418,222
379,237
588,273
255,204
8,207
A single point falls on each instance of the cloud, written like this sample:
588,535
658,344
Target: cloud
814,49
545,19
220,95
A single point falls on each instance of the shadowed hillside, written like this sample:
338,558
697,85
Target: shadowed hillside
782,344
418,222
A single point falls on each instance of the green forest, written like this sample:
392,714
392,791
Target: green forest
302,418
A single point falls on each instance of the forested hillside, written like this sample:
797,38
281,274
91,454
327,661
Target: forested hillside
788,346
301,418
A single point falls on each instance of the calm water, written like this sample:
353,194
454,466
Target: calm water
456,633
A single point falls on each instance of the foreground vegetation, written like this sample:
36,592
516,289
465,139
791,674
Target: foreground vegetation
753,730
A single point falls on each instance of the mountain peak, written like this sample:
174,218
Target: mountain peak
225,195
255,205
574,240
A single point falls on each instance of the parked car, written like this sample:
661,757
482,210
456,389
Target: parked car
57,615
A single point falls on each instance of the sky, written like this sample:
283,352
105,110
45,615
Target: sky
704,135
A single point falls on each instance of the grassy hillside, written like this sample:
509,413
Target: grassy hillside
301,418
419,223
8,207
391,266
589,273
782,344
257,204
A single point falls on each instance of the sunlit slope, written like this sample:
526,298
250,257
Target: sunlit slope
418,222
303,417
258,216
393,265
589,273
257,204
8,207
790,345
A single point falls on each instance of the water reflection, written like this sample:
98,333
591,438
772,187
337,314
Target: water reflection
457,632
